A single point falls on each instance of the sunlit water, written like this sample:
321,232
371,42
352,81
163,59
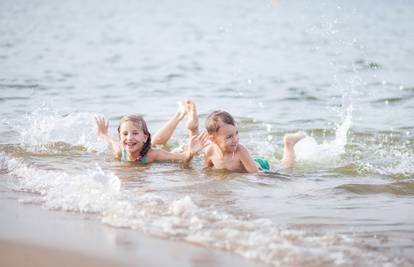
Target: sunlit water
340,71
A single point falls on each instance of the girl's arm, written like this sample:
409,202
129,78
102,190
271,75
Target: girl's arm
163,155
102,132
197,143
247,160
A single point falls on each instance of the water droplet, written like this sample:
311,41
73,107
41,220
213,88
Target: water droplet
268,127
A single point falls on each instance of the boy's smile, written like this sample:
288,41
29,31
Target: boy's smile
227,138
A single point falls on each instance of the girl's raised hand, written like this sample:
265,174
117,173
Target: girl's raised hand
101,126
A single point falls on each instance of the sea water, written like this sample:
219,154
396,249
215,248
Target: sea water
339,71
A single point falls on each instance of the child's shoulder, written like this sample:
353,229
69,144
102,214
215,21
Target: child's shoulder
241,149
152,154
209,150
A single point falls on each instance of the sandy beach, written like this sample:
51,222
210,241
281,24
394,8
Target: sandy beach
24,254
33,236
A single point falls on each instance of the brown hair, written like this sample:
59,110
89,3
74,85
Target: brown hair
143,125
216,118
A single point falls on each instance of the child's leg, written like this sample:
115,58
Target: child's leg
290,141
192,123
164,134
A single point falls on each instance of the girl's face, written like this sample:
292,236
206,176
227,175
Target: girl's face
227,138
132,137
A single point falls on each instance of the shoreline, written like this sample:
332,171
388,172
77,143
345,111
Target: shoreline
18,254
31,235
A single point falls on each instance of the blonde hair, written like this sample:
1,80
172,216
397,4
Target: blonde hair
139,120
216,118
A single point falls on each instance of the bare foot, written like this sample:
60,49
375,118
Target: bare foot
192,122
291,139
181,111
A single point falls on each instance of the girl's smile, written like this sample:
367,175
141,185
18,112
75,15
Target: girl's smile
132,137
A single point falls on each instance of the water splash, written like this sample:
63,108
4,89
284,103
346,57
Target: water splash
46,131
328,152
385,157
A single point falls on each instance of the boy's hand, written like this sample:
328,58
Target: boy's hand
197,143
101,126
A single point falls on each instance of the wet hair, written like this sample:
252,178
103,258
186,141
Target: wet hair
143,125
215,120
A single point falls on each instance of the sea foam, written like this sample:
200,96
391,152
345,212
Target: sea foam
181,218
327,152
91,191
44,127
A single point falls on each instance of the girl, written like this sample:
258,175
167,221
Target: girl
135,140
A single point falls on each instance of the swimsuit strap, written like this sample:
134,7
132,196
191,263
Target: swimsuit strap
141,159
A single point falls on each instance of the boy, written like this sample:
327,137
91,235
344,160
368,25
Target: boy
225,152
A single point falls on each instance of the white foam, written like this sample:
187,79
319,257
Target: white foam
3,162
91,191
390,160
257,239
45,126
181,218
182,207
327,152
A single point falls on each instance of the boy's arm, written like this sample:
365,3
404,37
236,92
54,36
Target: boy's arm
102,132
207,157
247,160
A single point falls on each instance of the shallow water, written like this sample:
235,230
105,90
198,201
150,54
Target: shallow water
339,71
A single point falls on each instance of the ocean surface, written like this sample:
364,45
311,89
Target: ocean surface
341,71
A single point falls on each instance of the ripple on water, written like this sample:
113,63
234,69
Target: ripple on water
51,149
398,188
393,100
301,98
18,86
362,64
351,169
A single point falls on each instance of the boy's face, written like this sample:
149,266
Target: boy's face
227,138
132,136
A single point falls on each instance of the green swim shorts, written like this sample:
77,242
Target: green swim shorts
264,164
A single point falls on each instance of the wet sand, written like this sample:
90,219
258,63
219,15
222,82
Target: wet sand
31,235
27,255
